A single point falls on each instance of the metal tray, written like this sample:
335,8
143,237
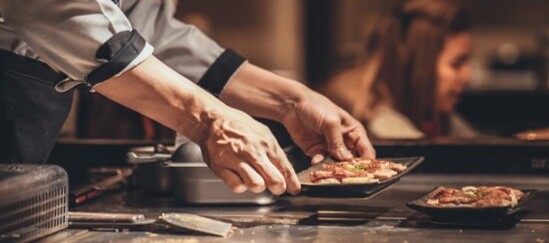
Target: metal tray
352,190
467,214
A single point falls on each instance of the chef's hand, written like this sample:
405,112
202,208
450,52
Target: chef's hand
319,127
245,154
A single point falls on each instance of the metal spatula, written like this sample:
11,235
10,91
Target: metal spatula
196,223
167,222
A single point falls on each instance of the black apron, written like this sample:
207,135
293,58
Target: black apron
32,112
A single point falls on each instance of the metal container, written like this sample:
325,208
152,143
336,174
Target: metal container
191,180
33,201
195,183
152,176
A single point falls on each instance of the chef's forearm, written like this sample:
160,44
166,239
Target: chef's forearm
156,91
262,93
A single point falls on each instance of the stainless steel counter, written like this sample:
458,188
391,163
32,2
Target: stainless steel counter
384,218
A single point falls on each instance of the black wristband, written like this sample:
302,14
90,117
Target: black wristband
221,71
116,54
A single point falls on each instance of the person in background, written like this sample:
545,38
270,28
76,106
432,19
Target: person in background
411,72
135,53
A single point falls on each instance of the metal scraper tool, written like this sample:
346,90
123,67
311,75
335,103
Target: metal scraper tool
196,223
167,222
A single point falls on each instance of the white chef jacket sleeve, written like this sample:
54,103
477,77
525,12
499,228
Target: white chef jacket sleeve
88,40
182,47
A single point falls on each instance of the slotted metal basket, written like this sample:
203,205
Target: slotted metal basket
33,201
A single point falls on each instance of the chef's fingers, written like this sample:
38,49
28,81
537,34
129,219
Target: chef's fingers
334,138
317,152
271,175
285,167
317,158
251,178
361,144
232,180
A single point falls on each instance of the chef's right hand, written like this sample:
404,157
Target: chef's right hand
245,154
240,150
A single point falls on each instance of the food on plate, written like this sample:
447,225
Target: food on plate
357,171
481,197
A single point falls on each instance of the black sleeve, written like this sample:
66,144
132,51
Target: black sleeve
221,71
116,54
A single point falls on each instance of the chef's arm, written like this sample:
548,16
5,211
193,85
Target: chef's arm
316,124
237,148
164,96
262,93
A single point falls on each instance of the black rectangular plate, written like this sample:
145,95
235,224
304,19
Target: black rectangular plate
352,190
509,221
467,214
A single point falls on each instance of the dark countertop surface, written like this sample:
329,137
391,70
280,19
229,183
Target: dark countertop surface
384,218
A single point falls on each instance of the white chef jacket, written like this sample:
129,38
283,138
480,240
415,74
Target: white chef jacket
68,34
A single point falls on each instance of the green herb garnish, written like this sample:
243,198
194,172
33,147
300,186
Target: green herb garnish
470,193
359,167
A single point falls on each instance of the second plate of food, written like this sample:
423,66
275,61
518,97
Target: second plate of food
472,204
355,178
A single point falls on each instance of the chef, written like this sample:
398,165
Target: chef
136,54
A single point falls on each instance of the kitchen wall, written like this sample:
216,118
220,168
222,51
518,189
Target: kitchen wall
267,32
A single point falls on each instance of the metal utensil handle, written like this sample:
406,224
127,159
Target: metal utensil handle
143,158
105,217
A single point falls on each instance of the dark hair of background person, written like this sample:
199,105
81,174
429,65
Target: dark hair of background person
407,44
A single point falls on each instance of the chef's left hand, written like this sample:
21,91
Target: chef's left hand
319,127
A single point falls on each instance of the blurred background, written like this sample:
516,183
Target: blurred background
312,40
